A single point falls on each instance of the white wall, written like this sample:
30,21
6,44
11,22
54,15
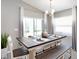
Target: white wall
10,18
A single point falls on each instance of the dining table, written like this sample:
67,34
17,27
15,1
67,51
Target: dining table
34,44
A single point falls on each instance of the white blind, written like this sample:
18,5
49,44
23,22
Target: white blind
32,13
63,24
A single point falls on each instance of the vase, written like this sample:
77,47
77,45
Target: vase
4,53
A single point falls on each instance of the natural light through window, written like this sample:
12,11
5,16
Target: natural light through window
63,24
32,26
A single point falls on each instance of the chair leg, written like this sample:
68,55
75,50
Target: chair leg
70,53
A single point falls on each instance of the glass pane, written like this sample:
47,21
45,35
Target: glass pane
38,26
32,26
28,26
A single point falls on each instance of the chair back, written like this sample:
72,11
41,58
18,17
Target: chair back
10,46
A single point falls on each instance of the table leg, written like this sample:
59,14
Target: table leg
32,54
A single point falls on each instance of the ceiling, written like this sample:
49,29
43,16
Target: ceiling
44,5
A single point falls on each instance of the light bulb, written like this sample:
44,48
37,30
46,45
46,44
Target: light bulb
46,12
53,10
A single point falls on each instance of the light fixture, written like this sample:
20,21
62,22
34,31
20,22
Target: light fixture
51,11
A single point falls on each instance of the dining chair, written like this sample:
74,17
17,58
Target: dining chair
19,53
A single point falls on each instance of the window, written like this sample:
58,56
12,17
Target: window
63,24
32,26
38,26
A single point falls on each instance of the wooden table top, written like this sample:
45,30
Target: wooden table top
32,42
